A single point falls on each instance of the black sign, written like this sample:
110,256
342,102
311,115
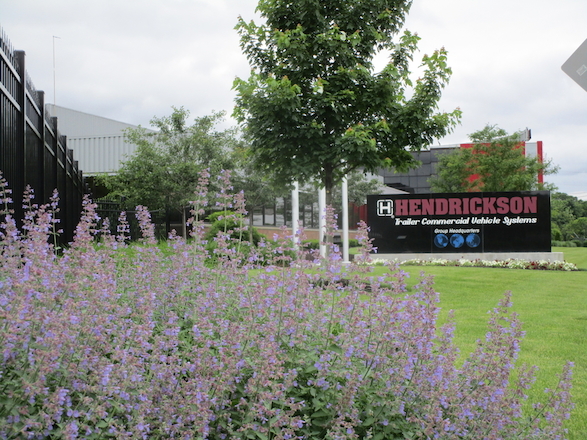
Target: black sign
460,222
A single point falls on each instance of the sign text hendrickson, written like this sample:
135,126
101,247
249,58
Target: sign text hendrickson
464,222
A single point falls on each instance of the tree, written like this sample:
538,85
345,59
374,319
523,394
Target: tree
359,187
578,228
163,172
566,210
496,162
313,107
259,188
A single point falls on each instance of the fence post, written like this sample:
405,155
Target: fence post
26,144
19,179
45,189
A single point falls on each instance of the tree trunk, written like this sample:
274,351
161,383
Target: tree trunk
251,214
184,223
328,187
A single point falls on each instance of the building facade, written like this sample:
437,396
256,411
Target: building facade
98,142
417,181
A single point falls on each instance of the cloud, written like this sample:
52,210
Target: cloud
135,59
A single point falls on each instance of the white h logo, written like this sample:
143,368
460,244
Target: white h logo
385,208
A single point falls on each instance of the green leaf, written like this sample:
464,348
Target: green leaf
261,435
315,78
368,422
335,348
320,414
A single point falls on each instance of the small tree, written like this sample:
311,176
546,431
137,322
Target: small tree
313,106
259,188
565,210
578,228
496,162
163,172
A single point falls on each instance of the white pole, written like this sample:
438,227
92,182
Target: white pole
345,220
322,220
54,88
295,213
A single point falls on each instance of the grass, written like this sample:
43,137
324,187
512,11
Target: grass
551,304
577,255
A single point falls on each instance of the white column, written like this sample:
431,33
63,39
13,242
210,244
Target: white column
295,213
322,220
345,220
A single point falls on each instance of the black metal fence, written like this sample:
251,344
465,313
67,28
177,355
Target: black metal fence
111,208
32,151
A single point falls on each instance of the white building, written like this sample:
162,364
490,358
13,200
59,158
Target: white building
98,143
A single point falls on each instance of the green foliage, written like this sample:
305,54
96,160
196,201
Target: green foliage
578,228
313,106
164,170
453,172
488,134
555,232
152,343
566,214
311,244
230,235
559,243
496,162
551,337
359,187
233,224
319,410
314,244
221,216
259,188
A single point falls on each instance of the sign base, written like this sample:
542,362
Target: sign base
487,256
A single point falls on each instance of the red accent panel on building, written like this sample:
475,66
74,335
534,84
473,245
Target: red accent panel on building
541,158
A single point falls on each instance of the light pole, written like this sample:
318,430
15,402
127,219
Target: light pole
54,88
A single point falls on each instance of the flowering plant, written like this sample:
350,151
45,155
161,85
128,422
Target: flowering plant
104,343
509,263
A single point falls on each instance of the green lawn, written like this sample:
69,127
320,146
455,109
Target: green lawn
576,255
551,304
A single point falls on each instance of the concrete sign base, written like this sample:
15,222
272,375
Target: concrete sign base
488,256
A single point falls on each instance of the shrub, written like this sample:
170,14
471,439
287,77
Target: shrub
556,233
315,244
312,244
564,244
234,224
101,343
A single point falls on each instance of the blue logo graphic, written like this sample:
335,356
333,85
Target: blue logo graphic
473,240
440,241
457,240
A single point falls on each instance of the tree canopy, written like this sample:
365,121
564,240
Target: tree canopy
568,217
164,170
314,107
496,162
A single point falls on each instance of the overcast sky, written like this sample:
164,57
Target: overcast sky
130,60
